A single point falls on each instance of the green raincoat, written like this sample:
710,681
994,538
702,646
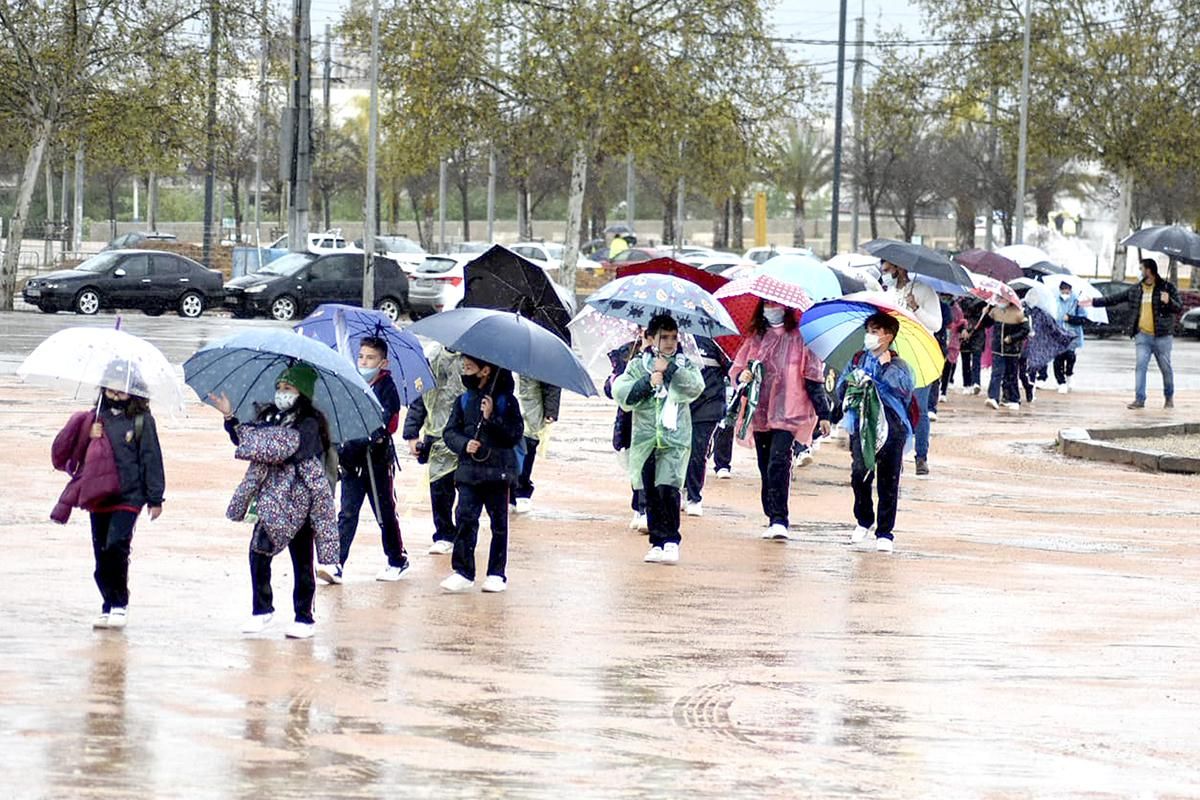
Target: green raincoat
536,406
671,447
439,402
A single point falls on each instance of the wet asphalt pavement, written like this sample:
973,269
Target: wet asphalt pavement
1033,635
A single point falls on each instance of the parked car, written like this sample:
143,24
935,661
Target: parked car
438,283
1120,316
330,241
760,255
138,239
474,248
716,262
291,286
635,255
549,255
404,251
149,280
1189,323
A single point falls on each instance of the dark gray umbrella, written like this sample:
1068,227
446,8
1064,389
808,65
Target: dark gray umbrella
1173,240
1044,268
920,260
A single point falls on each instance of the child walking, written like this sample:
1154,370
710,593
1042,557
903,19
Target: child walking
367,468
658,387
484,428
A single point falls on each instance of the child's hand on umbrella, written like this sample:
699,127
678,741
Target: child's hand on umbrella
222,403
486,406
660,364
154,512
746,376
656,379
473,447
97,430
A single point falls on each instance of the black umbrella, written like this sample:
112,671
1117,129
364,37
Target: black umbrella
1173,240
503,281
619,228
920,260
1044,268
849,284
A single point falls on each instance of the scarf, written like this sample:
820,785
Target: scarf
862,398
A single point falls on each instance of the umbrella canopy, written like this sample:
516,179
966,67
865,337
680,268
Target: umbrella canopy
595,336
1084,290
817,280
741,299
510,341
244,367
504,281
919,260
1173,240
1044,268
639,297
1026,255
344,327
993,291
993,265
834,331
619,228
83,360
1037,295
855,261
669,266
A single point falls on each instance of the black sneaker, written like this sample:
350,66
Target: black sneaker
1170,403
922,466
1135,404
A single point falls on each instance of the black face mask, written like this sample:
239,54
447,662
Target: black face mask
471,382
116,405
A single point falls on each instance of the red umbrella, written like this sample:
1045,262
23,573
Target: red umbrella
676,269
993,265
741,299
991,290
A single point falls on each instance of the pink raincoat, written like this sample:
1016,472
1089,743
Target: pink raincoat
783,402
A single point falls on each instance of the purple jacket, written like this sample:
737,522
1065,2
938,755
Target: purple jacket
89,462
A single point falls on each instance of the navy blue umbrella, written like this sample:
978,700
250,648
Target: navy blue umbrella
344,327
510,341
244,367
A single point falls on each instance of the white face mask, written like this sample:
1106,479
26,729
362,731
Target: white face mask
1065,295
773,316
871,341
889,279
285,400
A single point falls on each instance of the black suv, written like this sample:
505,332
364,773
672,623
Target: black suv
150,280
294,284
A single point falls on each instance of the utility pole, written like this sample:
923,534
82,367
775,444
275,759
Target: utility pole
210,130
680,208
491,184
630,191
837,129
77,201
326,76
1023,133
857,105
442,206
260,114
136,210
368,293
301,106
989,236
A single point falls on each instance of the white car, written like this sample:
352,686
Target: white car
404,251
761,254
549,255
715,263
437,284
320,243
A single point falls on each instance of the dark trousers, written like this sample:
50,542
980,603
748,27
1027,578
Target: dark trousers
723,448
947,376
441,500
1003,386
774,451
662,507
305,589
524,487
702,434
356,486
1028,378
638,501
888,463
112,536
1064,366
473,498
971,367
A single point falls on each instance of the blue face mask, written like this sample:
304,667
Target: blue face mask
368,373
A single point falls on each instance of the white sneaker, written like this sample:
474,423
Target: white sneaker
300,630
777,532
1013,406
442,547
643,523
390,573
456,583
858,534
968,390
883,545
724,474
694,509
943,398
118,617
1064,388
803,459
976,389
257,623
670,553
653,556
523,505
494,584
992,404
932,415
101,621
330,573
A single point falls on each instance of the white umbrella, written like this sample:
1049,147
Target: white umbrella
1038,295
855,262
82,360
1083,289
1026,255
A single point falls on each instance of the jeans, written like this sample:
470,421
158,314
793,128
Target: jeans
112,537
723,448
1160,348
702,434
774,451
662,507
473,498
441,500
972,367
921,434
524,487
1064,366
888,463
1003,386
305,589
355,488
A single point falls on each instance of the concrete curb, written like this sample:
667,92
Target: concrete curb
1102,444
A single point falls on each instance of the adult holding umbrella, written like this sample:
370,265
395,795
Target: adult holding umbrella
502,280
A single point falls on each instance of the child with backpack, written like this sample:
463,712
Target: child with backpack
485,430
123,420
367,469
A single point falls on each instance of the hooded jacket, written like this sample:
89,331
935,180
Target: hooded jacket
499,434
1010,329
89,462
138,456
710,405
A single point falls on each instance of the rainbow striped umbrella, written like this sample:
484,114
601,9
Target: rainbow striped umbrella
834,331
